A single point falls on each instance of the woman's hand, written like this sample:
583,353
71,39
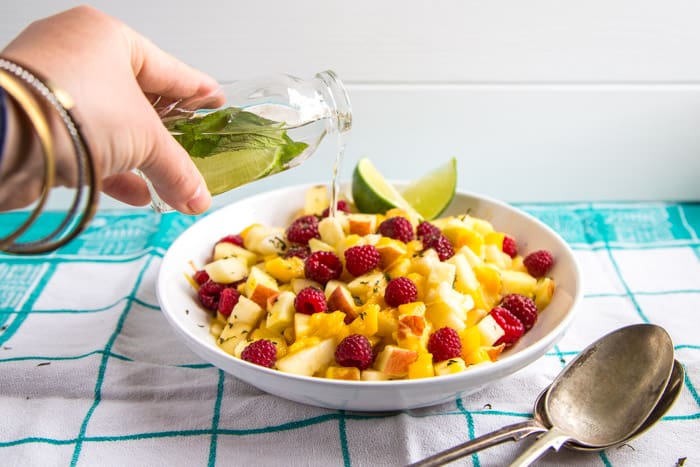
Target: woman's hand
113,75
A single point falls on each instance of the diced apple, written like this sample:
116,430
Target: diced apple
394,361
362,224
301,283
280,311
390,251
368,285
231,335
316,200
413,333
308,360
246,311
260,286
265,240
490,331
341,299
318,245
227,270
373,375
228,250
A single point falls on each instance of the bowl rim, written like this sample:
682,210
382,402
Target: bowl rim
508,365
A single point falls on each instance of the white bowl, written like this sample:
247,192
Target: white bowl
276,208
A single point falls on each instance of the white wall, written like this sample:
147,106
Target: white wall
540,100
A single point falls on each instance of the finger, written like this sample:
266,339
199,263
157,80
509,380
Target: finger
160,73
173,174
128,188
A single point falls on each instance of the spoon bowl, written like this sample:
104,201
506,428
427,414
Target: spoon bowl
607,392
668,398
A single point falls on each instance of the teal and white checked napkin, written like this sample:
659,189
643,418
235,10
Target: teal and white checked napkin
91,374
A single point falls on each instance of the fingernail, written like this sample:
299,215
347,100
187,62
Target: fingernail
200,201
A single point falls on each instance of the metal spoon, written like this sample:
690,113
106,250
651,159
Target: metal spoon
604,395
540,423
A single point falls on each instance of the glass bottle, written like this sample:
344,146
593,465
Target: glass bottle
256,127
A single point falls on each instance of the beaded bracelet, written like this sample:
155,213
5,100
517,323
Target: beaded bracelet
74,223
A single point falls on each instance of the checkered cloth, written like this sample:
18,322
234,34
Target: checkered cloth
91,373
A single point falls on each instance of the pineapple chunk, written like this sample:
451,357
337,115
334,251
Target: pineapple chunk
422,367
285,269
494,255
449,367
349,373
227,270
490,330
302,325
301,283
318,245
465,279
544,290
517,282
331,231
368,285
309,360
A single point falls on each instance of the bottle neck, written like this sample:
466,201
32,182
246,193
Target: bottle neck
336,95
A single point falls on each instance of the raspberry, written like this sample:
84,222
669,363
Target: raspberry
322,266
208,294
400,290
200,277
310,300
522,308
426,229
444,344
355,350
236,239
300,251
303,229
398,228
440,244
340,206
227,300
511,325
262,352
510,247
361,259
539,263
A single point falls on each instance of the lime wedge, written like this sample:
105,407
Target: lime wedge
230,169
433,192
371,192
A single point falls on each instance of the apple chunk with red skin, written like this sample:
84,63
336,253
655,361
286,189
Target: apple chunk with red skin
340,298
394,361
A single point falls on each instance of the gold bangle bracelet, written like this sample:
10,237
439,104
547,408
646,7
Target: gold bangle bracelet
34,113
61,103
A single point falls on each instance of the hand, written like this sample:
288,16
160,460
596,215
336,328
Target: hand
113,75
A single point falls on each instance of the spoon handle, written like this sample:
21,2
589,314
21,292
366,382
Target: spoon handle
514,432
553,438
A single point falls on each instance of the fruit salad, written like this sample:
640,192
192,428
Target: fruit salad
371,297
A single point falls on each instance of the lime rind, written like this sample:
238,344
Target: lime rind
431,194
372,193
